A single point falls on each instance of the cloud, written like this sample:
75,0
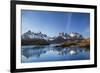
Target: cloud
69,22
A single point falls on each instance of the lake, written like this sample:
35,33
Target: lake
46,53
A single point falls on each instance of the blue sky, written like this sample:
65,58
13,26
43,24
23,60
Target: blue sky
51,22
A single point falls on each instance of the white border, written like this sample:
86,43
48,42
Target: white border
20,65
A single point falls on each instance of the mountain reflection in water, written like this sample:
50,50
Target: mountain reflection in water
46,53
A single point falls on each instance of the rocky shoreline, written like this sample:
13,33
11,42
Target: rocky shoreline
82,43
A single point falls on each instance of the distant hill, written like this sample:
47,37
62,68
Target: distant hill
35,42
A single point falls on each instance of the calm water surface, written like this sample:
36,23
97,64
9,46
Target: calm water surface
34,53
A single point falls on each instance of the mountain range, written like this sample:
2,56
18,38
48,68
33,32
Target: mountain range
30,37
